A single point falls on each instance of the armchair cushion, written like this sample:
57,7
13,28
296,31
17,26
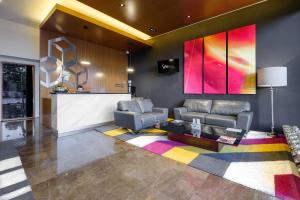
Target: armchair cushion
223,107
188,116
146,105
131,106
198,105
221,120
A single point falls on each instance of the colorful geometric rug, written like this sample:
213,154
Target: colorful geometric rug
259,162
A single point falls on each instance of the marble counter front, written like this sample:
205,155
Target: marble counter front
72,112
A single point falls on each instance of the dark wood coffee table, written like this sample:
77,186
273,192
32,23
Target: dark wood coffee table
209,135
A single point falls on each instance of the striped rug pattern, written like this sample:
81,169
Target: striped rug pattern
259,162
13,180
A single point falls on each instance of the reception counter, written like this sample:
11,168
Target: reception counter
72,112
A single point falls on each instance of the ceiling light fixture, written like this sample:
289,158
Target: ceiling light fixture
85,62
99,75
152,29
122,4
130,70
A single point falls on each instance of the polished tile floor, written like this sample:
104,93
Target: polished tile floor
90,166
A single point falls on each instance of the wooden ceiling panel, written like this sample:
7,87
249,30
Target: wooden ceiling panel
165,15
69,25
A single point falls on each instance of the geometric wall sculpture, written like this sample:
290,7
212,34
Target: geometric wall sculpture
241,60
68,63
193,58
215,64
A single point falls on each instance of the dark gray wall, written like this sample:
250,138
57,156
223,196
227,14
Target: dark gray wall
278,43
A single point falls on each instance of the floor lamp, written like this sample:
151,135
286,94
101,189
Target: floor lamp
272,77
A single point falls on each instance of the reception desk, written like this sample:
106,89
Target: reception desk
73,112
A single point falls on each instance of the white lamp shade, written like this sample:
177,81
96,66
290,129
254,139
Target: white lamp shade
272,77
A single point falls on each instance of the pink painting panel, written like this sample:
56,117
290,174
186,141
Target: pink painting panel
215,64
193,55
241,60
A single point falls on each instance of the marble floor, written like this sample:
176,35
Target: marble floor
90,165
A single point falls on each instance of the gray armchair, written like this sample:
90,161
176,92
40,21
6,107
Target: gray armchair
139,114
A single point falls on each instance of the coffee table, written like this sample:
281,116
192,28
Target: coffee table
208,139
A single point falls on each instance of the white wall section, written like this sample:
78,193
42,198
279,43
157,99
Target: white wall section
18,40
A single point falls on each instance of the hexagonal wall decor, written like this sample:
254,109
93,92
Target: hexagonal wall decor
67,63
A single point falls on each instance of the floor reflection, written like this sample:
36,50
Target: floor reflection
20,129
82,149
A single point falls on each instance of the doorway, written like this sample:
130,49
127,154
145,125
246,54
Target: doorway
17,91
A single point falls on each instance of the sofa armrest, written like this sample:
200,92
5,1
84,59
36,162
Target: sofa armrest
129,120
244,120
165,111
178,112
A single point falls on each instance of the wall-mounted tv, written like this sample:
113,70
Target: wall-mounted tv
168,66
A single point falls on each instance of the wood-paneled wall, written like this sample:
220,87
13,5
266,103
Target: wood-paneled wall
110,62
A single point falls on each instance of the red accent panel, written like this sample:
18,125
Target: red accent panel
193,58
287,186
215,64
242,61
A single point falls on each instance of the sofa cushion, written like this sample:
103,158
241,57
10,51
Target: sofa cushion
188,116
223,107
221,120
198,105
148,119
131,106
146,105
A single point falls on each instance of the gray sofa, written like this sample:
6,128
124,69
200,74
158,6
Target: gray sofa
139,114
233,114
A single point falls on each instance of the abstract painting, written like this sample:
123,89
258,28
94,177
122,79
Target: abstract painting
215,64
241,60
193,58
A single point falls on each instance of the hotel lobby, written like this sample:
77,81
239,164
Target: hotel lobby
149,99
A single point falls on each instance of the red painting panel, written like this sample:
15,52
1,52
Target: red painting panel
193,57
242,61
215,64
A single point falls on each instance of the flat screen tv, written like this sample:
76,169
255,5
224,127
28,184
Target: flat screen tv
168,66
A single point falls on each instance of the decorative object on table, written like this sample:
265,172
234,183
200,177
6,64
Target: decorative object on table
67,65
226,139
292,134
177,122
205,67
196,128
60,89
272,77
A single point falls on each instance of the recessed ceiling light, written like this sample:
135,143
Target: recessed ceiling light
122,4
189,16
85,62
130,70
99,75
152,29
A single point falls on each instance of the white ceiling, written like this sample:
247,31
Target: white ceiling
27,12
